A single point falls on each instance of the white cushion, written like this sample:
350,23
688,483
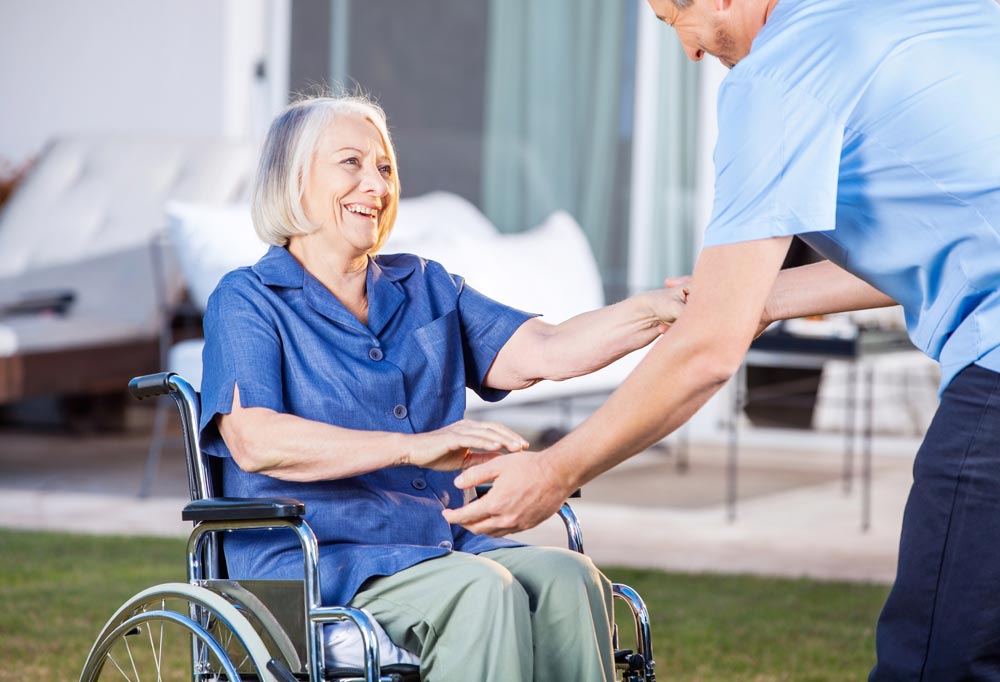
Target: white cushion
435,216
184,358
549,269
209,240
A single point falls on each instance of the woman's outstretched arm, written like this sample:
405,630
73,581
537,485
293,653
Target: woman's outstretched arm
584,343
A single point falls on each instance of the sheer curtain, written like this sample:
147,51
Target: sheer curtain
553,72
669,136
673,206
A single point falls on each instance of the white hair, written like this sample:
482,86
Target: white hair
286,158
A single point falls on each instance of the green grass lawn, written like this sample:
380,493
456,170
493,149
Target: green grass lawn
56,591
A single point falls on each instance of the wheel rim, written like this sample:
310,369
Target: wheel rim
159,645
180,633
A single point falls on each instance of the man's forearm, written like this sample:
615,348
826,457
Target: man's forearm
820,289
672,382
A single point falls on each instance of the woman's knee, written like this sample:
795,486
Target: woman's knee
488,584
572,567
552,571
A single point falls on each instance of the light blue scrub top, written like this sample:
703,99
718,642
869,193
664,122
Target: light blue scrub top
871,128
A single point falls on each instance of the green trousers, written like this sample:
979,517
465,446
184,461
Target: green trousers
509,615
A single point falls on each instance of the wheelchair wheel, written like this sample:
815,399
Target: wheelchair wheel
181,632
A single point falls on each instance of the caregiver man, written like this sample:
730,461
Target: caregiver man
871,128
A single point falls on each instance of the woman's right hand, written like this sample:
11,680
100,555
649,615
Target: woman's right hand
449,448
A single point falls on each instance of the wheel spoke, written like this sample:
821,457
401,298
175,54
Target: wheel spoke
156,651
159,657
130,658
115,663
230,635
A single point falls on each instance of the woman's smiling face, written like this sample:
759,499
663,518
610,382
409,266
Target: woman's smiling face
349,184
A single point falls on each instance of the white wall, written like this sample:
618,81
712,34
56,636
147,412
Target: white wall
142,66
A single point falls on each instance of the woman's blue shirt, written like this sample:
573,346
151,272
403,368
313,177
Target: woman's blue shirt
292,347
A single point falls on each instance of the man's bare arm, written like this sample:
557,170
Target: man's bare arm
819,289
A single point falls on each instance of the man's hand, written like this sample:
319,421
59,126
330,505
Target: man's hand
450,448
526,491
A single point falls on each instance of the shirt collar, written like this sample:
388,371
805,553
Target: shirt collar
385,294
279,268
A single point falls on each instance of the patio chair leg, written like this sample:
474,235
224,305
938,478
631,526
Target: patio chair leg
163,407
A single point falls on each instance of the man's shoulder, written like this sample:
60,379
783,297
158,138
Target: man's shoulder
826,49
802,37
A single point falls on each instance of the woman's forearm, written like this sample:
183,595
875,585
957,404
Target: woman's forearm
291,448
584,343
595,339
820,289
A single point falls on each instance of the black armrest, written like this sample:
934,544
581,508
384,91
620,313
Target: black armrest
484,488
243,509
57,302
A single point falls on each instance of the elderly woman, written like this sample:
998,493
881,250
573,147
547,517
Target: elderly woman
338,377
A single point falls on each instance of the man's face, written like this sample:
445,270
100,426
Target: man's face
714,27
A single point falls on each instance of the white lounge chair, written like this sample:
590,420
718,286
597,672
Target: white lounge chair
80,309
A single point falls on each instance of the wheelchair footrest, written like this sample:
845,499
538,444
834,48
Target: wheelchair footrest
242,509
398,672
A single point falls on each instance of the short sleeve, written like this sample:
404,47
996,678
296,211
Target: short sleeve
777,163
242,347
486,325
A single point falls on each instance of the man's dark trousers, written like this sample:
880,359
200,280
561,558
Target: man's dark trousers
941,622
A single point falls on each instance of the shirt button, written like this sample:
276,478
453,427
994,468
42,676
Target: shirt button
419,483
399,412
375,354
445,544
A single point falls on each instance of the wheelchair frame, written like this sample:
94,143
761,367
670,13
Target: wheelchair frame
225,616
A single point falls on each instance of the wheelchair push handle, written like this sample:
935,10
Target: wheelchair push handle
151,385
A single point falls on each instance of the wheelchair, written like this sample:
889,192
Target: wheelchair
211,629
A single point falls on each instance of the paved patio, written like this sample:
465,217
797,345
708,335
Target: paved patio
793,517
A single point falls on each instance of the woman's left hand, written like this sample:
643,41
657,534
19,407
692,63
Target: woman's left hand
454,446
666,305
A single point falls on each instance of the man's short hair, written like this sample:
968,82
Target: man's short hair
286,159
